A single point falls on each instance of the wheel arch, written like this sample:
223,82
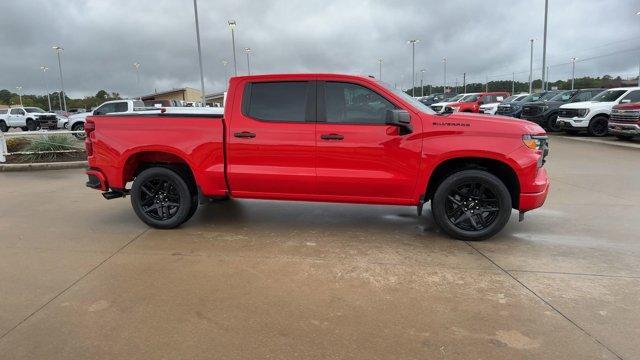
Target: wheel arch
139,161
499,168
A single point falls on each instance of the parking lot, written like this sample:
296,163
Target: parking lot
83,278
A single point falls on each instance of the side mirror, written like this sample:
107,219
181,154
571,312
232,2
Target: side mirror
401,119
96,112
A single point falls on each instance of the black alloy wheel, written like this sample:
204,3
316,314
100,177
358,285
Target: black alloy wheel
471,205
552,123
79,127
161,198
599,126
3,126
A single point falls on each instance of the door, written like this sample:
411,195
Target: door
271,141
359,157
16,118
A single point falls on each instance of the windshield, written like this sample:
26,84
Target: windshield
548,95
510,98
563,96
455,98
609,95
408,98
520,98
33,110
467,98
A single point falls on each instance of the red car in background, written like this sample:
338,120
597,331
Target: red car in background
471,103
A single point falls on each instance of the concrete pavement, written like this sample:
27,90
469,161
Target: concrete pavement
81,277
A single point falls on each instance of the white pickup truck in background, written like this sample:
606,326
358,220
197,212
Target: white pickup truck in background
27,118
76,122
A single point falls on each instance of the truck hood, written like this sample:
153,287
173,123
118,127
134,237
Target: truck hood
630,106
80,115
493,123
44,114
588,105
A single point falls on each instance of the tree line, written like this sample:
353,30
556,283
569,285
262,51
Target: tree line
12,99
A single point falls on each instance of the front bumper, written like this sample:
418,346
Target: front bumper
573,123
534,200
538,119
48,123
624,129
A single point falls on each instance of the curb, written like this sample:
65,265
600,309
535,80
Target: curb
44,166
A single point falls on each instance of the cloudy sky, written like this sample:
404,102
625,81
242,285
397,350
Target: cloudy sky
102,39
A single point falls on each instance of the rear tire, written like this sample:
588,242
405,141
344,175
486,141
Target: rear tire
598,126
161,198
471,205
3,126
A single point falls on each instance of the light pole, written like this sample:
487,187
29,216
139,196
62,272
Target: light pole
544,41
195,11
444,87
573,71
413,65
46,88
548,76
19,88
380,69
531,69
62,94
247,50
513,83
226,71
136,65
232,26
421,80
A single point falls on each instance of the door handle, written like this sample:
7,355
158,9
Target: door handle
245,134
331,137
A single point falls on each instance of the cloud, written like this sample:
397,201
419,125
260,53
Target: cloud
102,40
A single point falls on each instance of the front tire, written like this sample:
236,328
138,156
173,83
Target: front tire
552,123
78,127
3,126
31,125
598,126
161,198
471,205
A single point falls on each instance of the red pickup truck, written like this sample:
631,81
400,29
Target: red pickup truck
322,137
472,102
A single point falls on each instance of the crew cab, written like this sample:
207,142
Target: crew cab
471,103
624,121
322,137
514,108
76,122
28,119
545,113
593,116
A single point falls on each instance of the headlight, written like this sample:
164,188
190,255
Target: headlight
545,108
534,142
583,112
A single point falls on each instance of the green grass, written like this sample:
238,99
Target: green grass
43,145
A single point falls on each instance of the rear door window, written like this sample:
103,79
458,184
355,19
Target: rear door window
277,101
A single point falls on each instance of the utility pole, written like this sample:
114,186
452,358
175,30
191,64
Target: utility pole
380,69
136,65
62,94
232,26
547,82
19,88
413,65
46,88
544,41
531,69
486,83
573,71
444,86
464,82
421,81
195,10
513,83
247,51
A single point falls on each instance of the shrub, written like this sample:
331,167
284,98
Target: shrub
43,146
16,144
